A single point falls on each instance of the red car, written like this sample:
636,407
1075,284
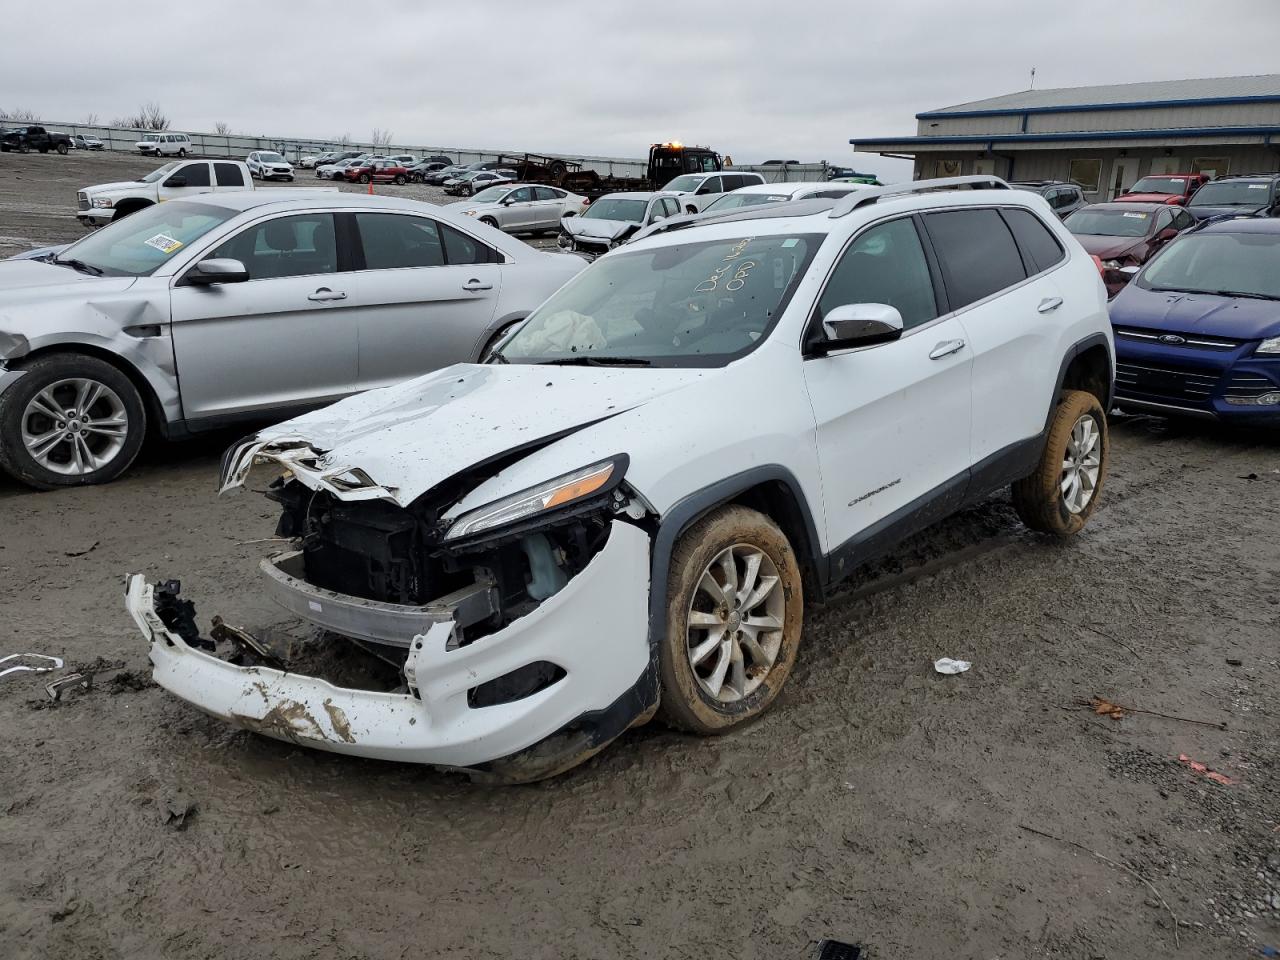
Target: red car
379,171
1164,188
1124,235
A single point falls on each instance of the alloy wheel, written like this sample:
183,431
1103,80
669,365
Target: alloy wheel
735,623
75,427
1081,465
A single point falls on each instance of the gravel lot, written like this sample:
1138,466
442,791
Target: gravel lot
878,802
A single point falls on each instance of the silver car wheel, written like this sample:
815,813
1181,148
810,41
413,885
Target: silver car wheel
735,623
74,427
1082,464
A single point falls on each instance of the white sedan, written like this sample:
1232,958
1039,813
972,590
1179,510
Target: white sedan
522,207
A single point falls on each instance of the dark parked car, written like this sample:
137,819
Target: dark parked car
445,173
1175,188
1198,329
26,139
1243,195
1126,235
419,171
1064,198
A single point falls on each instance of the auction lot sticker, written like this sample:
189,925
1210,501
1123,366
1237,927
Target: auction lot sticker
164,243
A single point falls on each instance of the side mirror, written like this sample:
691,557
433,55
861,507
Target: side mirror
703,190
176,182
217,270
657,216
1167,234
1130,270
860,325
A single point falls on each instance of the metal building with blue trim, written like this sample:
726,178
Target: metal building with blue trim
1103,138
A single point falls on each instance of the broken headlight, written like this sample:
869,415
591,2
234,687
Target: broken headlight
563,490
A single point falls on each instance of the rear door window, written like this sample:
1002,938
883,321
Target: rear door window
228,175
977,254
546,193
394,241
1040,248
460,248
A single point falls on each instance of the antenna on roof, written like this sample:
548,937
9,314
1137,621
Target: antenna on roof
1033,78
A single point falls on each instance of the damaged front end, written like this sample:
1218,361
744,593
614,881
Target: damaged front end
509,639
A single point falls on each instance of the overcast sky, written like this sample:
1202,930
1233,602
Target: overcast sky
775,79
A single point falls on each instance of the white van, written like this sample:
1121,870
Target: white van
164,144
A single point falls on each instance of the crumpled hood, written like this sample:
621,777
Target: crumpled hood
410,437
597,228
22,280
1108,248
1238,318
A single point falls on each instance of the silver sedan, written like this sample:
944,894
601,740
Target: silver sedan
522,207
224,308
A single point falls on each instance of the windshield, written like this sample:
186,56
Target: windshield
692,304
491,195
160,173
1109,223
271,158
1246,264
1172,186
150,138
1233,193
684,184
731,201
141,243
616,208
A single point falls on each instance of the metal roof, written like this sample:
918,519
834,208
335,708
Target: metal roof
1251,89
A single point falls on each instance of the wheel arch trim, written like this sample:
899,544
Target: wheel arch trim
698,504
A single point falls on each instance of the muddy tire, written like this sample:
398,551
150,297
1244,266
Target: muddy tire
735,608
62,149
70,420
1060,496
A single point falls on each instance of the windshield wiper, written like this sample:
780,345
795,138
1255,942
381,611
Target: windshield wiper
1241,293
585,361
80,265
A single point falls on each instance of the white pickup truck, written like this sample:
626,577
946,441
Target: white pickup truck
181,178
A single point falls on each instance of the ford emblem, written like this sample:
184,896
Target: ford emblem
1172,338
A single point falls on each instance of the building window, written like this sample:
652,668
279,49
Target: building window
1086,173
1212,166
946,168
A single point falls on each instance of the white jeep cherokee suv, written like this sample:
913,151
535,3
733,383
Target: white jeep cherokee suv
626,509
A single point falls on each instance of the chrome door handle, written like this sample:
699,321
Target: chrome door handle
1049,304
324,294
945,349
476,285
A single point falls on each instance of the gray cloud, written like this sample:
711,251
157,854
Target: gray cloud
758,79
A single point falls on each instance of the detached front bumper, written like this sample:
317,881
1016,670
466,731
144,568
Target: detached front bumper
595,629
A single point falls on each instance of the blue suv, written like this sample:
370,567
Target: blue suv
1198,329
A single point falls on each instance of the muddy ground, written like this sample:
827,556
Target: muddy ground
877,803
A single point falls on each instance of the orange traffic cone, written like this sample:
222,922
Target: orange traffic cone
371,183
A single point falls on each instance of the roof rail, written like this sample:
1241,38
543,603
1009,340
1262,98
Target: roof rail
759,211
861,198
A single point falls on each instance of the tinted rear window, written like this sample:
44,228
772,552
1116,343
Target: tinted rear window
228,175
977,253
1039,246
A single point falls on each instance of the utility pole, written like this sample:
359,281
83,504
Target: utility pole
1033,78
